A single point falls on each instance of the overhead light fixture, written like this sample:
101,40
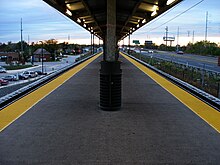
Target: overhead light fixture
154,9
68,6
78,20
133,29
68,12
138,25
144,21
154,13
84,25
170,1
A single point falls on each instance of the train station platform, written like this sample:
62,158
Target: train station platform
66,125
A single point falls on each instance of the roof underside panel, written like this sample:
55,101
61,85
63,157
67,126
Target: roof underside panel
131,14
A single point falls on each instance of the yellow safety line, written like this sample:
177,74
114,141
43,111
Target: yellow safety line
203,110
15,110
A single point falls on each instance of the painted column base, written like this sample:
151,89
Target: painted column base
110,85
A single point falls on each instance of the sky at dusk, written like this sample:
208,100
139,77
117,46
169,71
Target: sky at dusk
42,22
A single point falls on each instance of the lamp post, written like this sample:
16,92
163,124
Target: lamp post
42,56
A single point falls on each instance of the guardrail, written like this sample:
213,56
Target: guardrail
209,99
10,98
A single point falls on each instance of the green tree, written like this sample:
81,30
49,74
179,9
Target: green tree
51,46
25,55
203,48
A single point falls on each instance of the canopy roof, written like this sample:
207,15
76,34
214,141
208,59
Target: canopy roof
130,16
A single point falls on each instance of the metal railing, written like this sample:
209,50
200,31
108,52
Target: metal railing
10,98
204,96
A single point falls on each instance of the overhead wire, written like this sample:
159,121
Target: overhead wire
172,18
177,15
162,15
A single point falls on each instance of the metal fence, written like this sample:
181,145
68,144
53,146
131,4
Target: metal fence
206,80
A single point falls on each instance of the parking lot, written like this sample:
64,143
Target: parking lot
21,76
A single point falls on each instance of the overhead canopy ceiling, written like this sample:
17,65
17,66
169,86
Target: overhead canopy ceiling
130,16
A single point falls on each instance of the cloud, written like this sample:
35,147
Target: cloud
42,22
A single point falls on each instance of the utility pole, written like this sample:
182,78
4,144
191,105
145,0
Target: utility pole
206,26
178,34
22,49
68,38
193,36
166,35
188,33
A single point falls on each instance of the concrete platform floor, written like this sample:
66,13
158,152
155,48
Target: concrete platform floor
67,127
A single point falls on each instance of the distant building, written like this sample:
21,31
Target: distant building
38,55
9,57
148,44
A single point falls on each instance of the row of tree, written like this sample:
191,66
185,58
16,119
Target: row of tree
55,48
201,48
50,45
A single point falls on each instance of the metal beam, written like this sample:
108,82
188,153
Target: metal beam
86,6
133,12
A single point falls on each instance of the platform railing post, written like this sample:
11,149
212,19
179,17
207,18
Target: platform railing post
91,44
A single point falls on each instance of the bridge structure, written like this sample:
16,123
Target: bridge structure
60,121
111,21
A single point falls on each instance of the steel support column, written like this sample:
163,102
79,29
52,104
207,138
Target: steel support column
129,43
110,73
93,43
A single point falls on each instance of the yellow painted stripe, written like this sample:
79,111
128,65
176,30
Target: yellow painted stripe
203,110
12,112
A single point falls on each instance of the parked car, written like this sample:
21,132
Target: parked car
40,72
10,78
179,52
23,76
2,70
30,74
3,82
